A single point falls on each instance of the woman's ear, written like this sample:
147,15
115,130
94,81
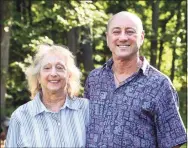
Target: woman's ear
69,75
38,79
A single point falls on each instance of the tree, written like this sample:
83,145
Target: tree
81,26
5,44
154,41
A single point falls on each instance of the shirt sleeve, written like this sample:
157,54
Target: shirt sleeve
13,133
170,128
86,88
87,113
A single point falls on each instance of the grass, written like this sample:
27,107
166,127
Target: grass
184,146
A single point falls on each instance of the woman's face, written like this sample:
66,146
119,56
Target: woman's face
53,74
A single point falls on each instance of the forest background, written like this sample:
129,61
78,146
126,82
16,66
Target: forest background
81,25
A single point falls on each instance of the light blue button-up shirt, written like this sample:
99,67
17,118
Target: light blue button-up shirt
33,125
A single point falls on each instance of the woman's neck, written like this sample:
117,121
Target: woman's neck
53,102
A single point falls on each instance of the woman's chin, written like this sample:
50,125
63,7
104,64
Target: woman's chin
54,90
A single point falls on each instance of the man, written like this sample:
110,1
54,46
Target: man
132,104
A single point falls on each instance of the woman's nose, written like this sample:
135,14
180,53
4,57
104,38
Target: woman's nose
54,71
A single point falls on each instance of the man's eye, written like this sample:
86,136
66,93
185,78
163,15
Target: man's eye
116,32
130,32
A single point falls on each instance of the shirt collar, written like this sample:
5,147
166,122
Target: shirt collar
144,67
108,64
38,107
72,103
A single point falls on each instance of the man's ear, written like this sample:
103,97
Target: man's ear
142,37
106,38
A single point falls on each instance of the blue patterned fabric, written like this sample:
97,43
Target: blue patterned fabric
141,113
33,125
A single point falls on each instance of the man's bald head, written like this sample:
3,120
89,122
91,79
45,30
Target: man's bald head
128,15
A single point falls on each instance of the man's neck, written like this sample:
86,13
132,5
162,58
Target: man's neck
127,67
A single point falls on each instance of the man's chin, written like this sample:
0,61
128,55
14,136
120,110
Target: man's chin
124,56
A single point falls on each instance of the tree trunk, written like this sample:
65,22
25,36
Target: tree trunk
173,63
29,11
73,41
87,50
174,47
5,42
161,48
87,56
155,17
24,14
160,53
1,18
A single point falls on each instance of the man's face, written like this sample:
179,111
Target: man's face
124,37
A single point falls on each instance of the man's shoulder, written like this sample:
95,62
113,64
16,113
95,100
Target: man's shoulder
152,72
158,76
95,72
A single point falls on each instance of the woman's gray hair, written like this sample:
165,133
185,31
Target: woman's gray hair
32,72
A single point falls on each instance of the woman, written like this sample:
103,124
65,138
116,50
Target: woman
55,117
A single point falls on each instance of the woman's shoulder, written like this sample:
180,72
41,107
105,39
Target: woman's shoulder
81,99
23,109
80,102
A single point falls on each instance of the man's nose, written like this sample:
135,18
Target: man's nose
123,36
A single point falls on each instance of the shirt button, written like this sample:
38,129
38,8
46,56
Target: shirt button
58,124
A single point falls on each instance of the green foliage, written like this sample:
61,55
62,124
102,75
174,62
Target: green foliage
183,106
50,21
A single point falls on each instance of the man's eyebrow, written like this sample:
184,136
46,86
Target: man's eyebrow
116,28
130,28
123,27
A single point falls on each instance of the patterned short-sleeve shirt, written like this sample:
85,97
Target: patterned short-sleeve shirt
141,113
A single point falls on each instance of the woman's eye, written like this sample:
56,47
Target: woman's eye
60,67
46,68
